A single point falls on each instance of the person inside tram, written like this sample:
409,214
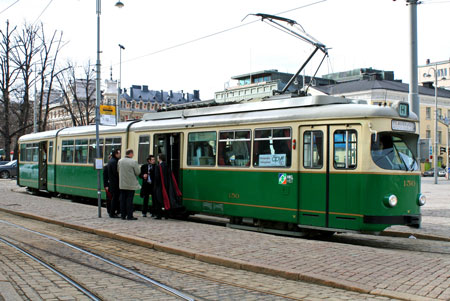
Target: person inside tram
383,153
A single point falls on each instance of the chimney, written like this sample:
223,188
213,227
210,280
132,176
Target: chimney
197,94
428,61
144,88
171,94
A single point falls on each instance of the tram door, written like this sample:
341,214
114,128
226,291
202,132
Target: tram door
43,165
313,176
169,144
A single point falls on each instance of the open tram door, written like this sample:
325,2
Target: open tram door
42,165
169,145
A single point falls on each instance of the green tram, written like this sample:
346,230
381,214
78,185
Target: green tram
287,163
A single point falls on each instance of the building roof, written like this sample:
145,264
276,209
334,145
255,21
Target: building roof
365,85
139,93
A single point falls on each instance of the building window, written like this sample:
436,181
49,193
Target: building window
439,136
428,134
428,112
439,113
272,147
345,149
202,149
234,148
313,149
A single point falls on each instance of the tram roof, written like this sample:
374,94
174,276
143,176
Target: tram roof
283,109
278,109
121,127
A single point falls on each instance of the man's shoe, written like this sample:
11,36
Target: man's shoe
113,216
123,217
144,215
132,219
157,217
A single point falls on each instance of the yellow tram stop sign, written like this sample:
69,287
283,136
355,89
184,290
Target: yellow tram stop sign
108,115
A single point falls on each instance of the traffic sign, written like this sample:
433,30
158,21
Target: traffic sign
108,115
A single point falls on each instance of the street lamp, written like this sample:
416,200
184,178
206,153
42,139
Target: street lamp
120,79
99,159
435,154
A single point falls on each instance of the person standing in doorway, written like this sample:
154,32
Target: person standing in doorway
128,171
113,180
106,187
148,178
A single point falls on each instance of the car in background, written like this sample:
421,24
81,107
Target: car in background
8,170
430,173
4,162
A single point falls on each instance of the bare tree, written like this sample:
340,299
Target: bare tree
47,63
8,77
79,93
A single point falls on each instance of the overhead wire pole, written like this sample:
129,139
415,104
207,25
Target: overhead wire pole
413,96
97,114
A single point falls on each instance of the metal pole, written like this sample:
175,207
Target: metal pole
120,82
97,113
435,125
414,100
35,129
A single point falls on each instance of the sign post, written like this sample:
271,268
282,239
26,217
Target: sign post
108,115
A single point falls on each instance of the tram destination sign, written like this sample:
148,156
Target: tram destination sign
404,126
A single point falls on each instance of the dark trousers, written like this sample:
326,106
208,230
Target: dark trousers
126,203
153,210
115,203
156,206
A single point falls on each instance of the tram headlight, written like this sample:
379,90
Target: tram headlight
391,200
421,200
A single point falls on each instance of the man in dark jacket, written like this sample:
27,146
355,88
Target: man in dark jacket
106,186
148,178
113,178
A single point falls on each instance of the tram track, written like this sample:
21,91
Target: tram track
87,292
74,283
84,249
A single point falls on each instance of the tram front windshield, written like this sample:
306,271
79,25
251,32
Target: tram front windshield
394,151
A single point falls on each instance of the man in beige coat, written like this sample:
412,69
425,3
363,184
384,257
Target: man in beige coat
128,171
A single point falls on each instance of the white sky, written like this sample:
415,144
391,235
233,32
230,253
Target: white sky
361,33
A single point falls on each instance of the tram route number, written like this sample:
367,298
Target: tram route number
233,195
409,183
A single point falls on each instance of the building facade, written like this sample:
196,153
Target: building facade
427,75
257,85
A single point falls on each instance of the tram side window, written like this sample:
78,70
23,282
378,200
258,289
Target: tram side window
67,151
234,148
50,152
202,149
345,149
144,149
313,149
92,150
272,147
33,152
110,145
81,151
22,152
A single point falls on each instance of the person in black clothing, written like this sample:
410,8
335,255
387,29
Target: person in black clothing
167,192
113,179
148,178
106,186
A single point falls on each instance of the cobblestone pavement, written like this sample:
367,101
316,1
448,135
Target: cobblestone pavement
408,273
201,280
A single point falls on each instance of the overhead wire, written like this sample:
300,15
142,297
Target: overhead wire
42,12
216,33
1,12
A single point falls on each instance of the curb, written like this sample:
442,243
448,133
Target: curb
416,235
226,262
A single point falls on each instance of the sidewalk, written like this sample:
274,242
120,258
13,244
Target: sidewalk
393,273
